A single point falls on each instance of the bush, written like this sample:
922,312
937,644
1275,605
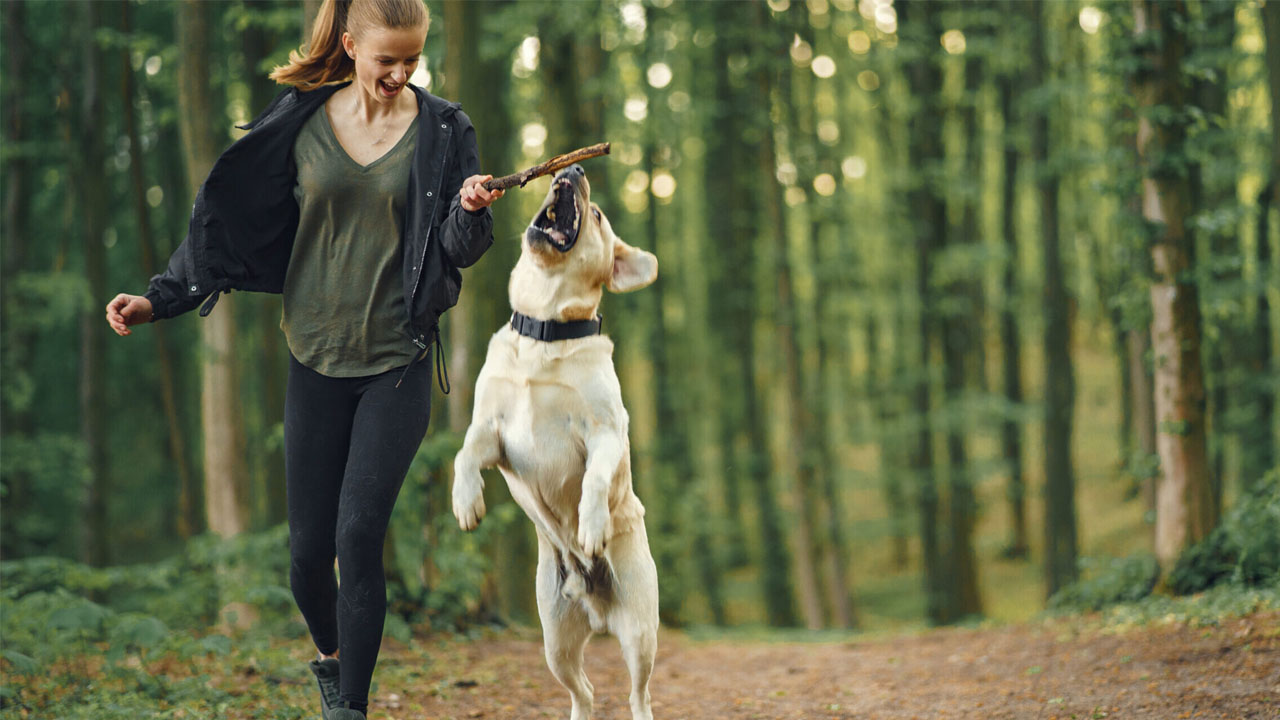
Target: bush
1108,583
1244,549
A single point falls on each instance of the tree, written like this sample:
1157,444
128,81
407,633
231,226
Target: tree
92,192
1185,512
225,474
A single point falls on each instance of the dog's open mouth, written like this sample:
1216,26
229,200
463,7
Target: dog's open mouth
558,221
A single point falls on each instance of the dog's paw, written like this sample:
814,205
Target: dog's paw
593,528
468,502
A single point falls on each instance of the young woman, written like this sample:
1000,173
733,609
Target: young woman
358,196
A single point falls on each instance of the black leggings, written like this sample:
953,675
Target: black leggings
348,444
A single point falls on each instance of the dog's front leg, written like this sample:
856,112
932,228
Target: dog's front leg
604,453
479,450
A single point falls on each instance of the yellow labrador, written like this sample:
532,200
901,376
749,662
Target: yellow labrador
549,415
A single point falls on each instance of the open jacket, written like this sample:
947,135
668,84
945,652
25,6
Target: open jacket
245,216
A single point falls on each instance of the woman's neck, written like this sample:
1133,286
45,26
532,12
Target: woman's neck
354,101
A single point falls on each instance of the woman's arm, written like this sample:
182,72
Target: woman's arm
467,230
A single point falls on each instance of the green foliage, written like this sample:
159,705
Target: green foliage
1243,550
1108,582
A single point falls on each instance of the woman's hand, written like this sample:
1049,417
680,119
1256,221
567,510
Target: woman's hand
125,310
474,196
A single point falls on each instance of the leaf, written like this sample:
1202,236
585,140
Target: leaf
22,664
84,616
139,631
216,644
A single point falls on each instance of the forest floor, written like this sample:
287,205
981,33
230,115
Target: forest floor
1056,669
1074,667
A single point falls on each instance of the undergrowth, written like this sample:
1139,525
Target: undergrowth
1233,571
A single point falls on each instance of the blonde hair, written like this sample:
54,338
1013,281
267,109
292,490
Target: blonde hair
325,60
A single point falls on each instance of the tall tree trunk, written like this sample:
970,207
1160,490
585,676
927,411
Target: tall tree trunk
961,336
1142,393
15,418
92,191
816,330
187,522
1260,445
1207,195
462,83
1010,341
259,42
1184,496
743,125
1059,380
926,158
226,507
797,419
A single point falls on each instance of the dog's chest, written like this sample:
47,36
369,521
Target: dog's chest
542,430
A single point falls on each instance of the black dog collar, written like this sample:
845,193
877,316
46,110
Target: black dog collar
550,330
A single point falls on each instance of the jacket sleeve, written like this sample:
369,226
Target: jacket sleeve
169,291
465,235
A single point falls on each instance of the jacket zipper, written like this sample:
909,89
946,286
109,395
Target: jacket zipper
422,262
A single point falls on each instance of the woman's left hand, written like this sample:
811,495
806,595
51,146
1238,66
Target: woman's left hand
474,196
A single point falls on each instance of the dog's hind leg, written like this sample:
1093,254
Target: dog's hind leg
565,631
634,617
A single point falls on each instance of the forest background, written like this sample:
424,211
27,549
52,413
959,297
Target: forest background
960,305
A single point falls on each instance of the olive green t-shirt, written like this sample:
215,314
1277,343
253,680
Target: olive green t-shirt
344,313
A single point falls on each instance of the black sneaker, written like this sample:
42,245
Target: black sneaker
326,672
346,714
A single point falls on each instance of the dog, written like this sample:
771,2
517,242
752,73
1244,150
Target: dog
549,415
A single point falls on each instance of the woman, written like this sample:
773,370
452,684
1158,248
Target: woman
358,201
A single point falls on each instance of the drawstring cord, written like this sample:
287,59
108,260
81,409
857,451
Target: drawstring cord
442,370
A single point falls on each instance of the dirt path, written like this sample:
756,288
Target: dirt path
1047,671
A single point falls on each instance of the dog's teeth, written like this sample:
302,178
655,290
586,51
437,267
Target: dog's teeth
551,214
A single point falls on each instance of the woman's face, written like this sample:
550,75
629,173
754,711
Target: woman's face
385,58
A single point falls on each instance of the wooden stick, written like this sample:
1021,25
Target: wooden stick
556,163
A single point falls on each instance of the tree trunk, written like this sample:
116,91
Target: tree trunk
1138,344
1059,379
15,418
961,337
797,419
926,157
1010,341
92,192
1184,497
272,362
742,125
186,522
226,508
1260,443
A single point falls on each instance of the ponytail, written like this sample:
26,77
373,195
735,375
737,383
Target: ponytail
325,60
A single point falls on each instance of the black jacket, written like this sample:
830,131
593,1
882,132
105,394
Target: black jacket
245,217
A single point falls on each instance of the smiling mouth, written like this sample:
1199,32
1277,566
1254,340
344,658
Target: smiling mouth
558,222
389,89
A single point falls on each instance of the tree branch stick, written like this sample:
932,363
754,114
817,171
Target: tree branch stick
556,163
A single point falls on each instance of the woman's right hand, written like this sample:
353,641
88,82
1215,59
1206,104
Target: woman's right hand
125,310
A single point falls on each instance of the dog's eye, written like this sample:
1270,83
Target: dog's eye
596,212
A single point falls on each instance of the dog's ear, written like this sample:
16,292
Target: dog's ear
633,268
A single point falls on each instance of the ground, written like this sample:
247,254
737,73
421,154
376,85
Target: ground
1076,667
1045,670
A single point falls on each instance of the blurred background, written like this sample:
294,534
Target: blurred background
961,305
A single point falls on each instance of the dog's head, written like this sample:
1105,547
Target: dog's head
570,254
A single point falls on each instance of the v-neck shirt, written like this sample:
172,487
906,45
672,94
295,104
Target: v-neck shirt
344,312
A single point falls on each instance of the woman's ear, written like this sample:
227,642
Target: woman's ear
633,268
349,44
